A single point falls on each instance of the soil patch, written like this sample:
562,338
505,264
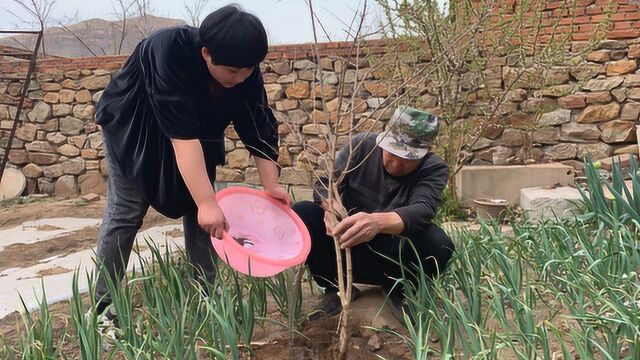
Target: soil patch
26,255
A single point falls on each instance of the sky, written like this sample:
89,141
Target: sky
286,21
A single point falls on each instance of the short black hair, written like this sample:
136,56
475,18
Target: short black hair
234,37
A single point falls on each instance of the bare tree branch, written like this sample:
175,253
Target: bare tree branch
122,9
78,38
40,11
144,10
193,11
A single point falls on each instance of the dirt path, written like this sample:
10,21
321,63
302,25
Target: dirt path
25,255
13,215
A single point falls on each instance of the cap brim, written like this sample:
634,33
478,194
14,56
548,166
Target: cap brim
387,142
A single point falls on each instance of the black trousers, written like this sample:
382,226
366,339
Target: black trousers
370,265
123,216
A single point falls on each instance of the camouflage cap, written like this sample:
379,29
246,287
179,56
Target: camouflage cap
410,133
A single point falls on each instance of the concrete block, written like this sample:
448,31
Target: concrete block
546,203
505,182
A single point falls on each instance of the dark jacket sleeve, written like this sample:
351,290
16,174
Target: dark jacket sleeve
168,65
255,124
425,197
339,165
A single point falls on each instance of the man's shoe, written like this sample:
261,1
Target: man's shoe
107,325
330,304
397,305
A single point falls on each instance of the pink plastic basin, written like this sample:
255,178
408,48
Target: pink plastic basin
265,237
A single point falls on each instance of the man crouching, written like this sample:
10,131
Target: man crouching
392,189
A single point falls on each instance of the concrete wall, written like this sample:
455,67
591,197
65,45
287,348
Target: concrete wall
505,182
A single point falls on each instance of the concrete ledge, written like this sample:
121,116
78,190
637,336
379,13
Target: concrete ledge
543,203
505,182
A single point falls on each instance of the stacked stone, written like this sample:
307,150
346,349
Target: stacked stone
58,146
590,109
295,89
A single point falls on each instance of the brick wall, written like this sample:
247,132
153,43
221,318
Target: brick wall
623,14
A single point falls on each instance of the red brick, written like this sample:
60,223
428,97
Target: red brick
546,22
618,16
595,10
560,13
598,18
623,34
622,25
579,12
628,8
582,20
295,55
544,39
584,3
633,15
325,52
344,52
565,29
581,37
566,21
552,5
274,56
586,28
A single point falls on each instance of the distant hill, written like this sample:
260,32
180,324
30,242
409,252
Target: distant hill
102,37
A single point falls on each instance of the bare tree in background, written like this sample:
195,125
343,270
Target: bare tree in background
81,36
131,15
122,9
144,11
193,11
38,9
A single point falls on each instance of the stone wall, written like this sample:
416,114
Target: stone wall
593,109
58,146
